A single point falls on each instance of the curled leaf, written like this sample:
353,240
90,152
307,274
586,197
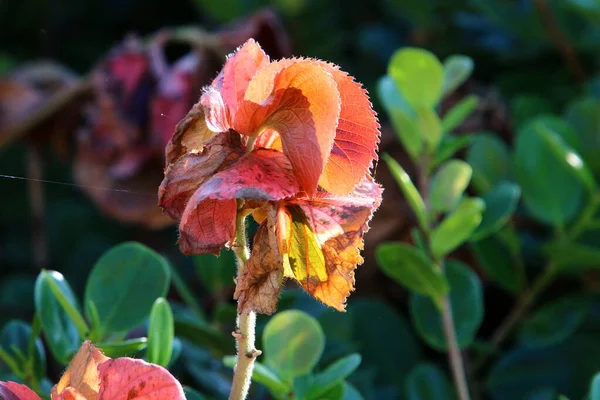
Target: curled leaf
16,391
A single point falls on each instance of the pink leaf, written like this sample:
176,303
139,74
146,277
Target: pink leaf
16,391
129,379
262,174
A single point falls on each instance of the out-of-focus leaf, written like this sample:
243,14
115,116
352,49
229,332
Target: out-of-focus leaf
500,203
419,76
554,322
457,69
204,336
293,343
448,185
412,269
216,273
466,299
449,146
457,114
457,227
595,387
124,284
495,259
191,394
14,340
333,375
526,107
573,256
264,376
409,190
488,156
430,126
583,116
428,382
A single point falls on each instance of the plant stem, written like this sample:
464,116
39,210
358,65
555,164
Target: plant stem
246,325
454,354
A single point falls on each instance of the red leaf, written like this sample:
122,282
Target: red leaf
188,172
356,139
262,174
299,100
239,69
207,225
16,391
129,379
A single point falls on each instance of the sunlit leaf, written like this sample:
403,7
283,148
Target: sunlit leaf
448,185
457,69
16,391
457,227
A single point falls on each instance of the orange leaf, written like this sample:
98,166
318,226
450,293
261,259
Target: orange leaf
129,379
262,174
72,394
299,100
189,171
239,69
207,225
356,138
82,373
258,287
324,246
16,391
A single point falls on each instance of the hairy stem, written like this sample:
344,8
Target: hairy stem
454,354
246,325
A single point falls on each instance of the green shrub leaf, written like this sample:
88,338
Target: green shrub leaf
488,156
500,204
448,185
495,259
14,341
160,333
427,382
466,299
457,69
459,113
457,227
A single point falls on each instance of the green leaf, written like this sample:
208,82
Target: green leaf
457,69
124,284
191,394
525,107
457,114
59,330
351,393
14,341
160,333
411,268
457,227
448,185
428,382
293,343
449,146
582,115
409,190
69,306
430,126
401,115
495,259
573,256
466,299
552,176
126,348
216,273
500,204
522,369
333,375
263,375
554,322
337,392
488,156
203,335
419,76
595,387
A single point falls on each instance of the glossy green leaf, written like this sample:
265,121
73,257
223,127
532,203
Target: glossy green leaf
522,369
582,115
412,269
332,376
125,348
457,69
263,375
449,146
466,298
428,382
554,322
401,115
488,156
391,350
573,256
409,190
160,333
216,273
496,261
419,76
430,127
457,227
595,387
14,342
459,113
124,284
448,185
551,174
500,204
293,343
59,330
